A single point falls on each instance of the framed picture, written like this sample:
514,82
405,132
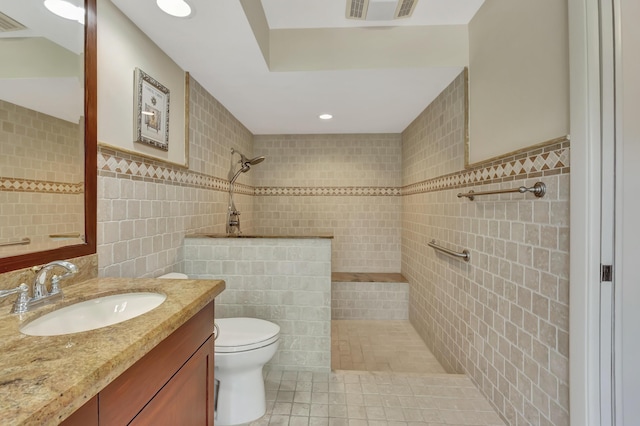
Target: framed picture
151,111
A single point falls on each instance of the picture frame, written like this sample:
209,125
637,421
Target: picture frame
151,111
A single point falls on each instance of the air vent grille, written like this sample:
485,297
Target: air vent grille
9,24
357,9
405,8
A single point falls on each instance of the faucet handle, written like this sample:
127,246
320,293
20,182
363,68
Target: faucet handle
55,284
22,302
20,305
55,279
21,288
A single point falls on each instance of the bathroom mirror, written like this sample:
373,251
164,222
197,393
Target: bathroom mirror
47,134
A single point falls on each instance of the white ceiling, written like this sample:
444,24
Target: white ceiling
217,46
39,22
330,13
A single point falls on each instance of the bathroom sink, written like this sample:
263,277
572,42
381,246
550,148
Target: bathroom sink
94,313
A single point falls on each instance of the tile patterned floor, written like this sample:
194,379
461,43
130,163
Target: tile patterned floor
380,346
404,385
363,398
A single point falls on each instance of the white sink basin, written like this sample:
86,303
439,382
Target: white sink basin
94,313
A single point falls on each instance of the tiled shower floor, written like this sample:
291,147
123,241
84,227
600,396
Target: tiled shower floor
383,375
380,346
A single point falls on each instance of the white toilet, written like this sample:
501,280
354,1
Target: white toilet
243,346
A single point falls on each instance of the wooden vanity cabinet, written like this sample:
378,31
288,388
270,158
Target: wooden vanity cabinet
173,384
87,415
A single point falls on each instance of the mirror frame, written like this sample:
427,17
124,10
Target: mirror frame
12,263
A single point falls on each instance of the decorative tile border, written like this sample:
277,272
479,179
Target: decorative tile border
42,186
551,159
548,160
124,165
328,191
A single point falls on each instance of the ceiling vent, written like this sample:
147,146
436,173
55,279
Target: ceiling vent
9,24
380,10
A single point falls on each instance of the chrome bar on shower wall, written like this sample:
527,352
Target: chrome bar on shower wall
67,235
539,189
22,242
465,255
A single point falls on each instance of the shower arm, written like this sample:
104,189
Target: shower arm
233,179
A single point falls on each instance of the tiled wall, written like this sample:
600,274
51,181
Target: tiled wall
282,280
502,318
146,207
343,185
41,174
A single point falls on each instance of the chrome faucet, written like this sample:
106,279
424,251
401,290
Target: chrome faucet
40,281
40,291
41,295
233,220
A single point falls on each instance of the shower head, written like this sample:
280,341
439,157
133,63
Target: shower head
245,163
255,161
248,163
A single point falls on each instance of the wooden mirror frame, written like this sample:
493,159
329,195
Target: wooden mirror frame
90,161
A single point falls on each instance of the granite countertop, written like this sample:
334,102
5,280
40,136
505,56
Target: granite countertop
43,380
294,237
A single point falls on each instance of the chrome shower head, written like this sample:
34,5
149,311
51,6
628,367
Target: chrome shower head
255,161
245,163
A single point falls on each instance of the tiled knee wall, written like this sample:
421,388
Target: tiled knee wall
282,280
369,301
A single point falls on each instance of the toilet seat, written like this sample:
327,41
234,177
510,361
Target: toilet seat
244,334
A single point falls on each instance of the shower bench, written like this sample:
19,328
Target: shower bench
369,296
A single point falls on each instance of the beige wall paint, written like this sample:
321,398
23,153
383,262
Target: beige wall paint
363,48
38,57
121,48
518,76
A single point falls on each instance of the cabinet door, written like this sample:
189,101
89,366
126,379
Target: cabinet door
126,396
87,415
187,399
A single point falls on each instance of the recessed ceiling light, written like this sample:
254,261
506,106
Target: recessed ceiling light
325,116
177,8
65,10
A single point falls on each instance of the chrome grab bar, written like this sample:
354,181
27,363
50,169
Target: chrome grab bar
68,235
22,242
539,189
465,255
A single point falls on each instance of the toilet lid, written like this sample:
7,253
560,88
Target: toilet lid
244,334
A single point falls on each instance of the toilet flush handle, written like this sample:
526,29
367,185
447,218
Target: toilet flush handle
216,331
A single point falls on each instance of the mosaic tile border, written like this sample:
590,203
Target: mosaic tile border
552,159
122,165
41,186
546,160
327,191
